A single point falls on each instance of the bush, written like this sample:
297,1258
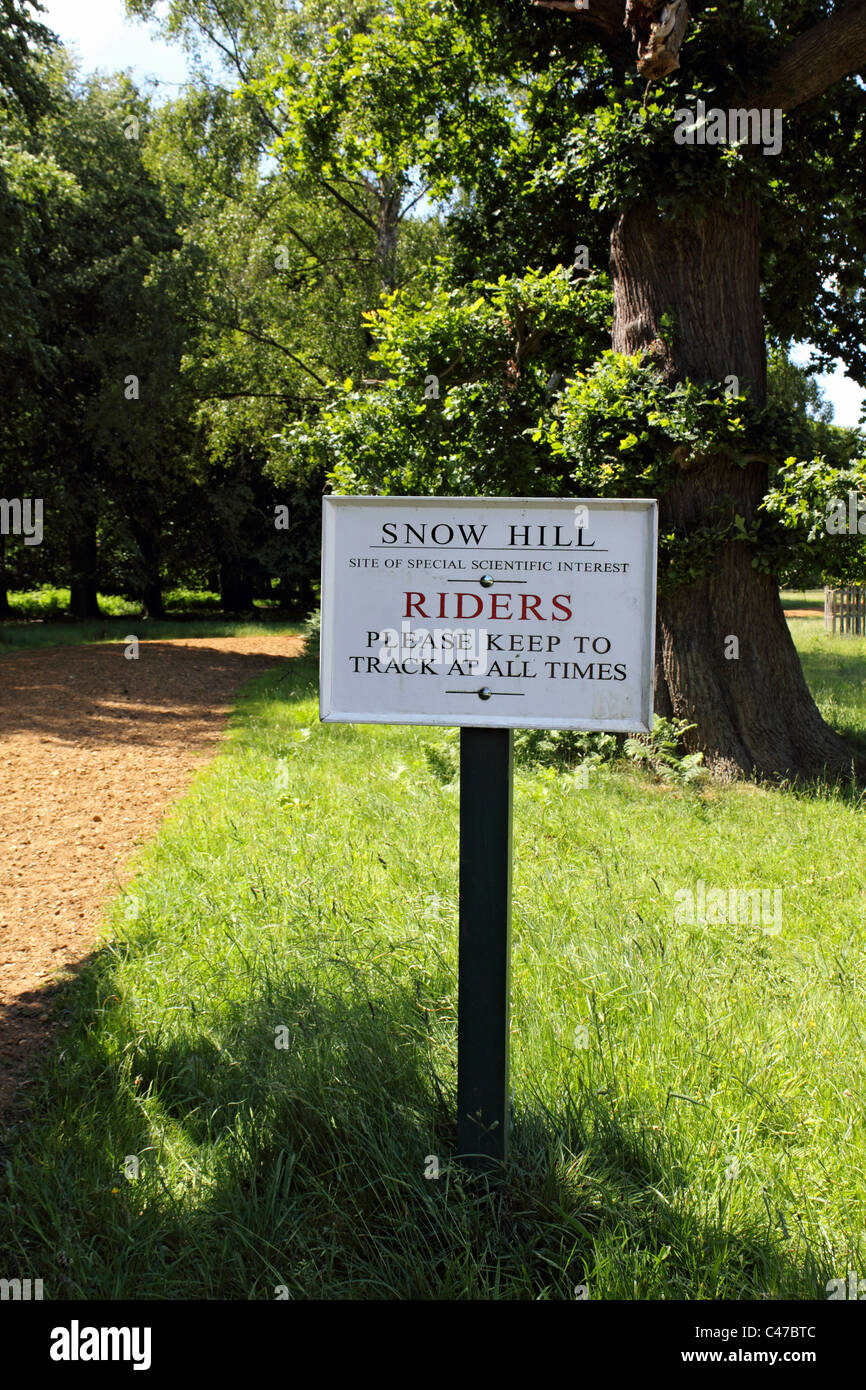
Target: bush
564,747
312,631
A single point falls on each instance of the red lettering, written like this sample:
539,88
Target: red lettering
414,601
499,607
460,613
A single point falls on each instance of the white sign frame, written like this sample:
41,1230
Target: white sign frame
332,711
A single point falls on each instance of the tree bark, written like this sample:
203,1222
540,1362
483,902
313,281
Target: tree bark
145,528
236,588
816,60
389,198
5,607
152,605
83,601
754,714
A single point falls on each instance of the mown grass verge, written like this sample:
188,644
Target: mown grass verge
268,1031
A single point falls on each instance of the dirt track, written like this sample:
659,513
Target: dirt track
94,748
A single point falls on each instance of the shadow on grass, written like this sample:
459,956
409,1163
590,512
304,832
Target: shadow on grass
282,1143
842,677
832,669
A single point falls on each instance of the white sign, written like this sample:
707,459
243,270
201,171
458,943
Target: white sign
512,612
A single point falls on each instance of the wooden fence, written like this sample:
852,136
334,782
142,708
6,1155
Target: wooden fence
847,607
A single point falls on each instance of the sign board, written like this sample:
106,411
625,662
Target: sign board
498,612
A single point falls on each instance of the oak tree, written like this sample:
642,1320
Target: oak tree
721,146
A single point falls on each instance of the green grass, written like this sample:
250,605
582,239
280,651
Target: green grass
52,602
835,668
804,598
688,1100
40,619
63,634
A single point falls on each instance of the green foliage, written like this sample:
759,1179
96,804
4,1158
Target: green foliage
504,388
312,633
564,748
591,138
94,266
468,374
663,751
45,602
811,499
241,245
370,100
625,434
49,601
623,150
24,39
817,464
283,255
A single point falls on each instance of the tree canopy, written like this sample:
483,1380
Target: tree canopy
474,246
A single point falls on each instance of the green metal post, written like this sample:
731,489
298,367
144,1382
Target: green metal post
484,969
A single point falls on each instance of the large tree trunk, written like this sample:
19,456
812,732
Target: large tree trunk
236,587
754,714
5,607
144,525
83,559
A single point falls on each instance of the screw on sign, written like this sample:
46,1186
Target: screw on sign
559,595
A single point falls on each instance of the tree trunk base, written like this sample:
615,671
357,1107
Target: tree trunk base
726,663
152,605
